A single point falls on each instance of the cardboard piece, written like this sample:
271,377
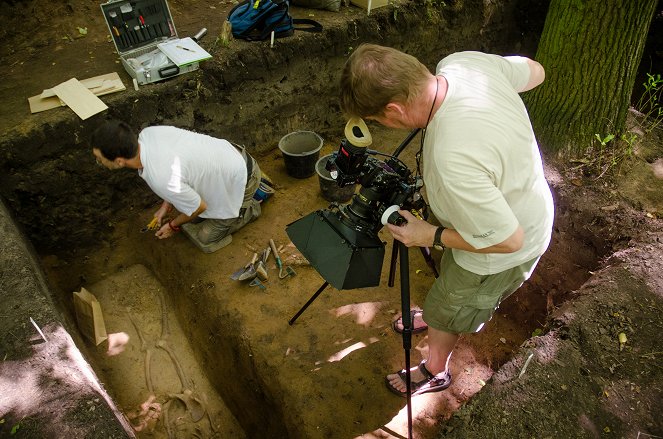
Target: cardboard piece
98,85
79,98
89,317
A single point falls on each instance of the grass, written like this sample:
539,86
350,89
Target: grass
608,152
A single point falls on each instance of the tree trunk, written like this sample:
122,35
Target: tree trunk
591,50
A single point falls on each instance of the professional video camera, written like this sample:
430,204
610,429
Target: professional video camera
342,242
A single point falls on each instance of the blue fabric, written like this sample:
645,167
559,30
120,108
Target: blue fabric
257,19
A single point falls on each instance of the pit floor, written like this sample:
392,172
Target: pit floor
326,371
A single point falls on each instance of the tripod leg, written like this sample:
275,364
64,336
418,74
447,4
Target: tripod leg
310,301
392,263
407,329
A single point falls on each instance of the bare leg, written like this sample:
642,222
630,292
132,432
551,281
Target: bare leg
439,353
440,347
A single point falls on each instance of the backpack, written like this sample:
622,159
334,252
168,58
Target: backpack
256,19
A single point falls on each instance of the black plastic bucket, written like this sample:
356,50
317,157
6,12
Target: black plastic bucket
301,150
330,190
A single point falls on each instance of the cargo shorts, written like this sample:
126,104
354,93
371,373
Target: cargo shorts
462,302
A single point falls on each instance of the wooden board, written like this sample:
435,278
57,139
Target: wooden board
79,98
98,85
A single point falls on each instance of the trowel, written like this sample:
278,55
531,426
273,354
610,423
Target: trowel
261,267
246,272
288,270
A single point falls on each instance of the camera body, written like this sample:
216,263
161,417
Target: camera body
382,184
342,242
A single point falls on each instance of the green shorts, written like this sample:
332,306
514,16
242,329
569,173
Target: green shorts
462,302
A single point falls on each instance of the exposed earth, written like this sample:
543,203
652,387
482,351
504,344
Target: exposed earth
550,364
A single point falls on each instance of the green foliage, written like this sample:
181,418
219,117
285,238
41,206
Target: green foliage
649,104
608,152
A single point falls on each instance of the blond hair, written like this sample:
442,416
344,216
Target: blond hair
374,76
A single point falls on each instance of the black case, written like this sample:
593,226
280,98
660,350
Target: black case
137,26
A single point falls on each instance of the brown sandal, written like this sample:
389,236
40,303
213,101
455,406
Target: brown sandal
430,383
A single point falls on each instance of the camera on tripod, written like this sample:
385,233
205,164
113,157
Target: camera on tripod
342,242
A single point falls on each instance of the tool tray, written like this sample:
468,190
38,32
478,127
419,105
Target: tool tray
137,26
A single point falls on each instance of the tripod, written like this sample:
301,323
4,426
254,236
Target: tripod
397,248
408,324
425,251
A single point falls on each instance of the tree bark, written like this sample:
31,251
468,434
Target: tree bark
591,50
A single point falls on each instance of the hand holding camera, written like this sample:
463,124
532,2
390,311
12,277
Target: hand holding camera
414,232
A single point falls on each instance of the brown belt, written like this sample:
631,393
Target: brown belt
247,158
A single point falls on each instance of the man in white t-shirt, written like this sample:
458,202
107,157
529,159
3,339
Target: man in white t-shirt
203,177
483,177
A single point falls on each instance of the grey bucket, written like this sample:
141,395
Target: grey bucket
301,150
330,190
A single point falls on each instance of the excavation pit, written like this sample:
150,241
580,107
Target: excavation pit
264,375
322,377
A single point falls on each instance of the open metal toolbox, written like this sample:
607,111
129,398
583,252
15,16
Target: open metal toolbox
137,26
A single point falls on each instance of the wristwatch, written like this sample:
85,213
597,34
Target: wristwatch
437,241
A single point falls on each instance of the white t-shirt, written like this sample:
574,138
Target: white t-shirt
182,167
482,166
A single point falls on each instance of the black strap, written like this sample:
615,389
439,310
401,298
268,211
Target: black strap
311,26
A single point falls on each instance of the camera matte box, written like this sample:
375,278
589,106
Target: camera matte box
344,257
137,27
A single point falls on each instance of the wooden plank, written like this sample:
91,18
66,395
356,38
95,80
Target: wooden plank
99,85
79,98
38,104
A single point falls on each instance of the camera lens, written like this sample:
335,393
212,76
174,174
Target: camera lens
391,216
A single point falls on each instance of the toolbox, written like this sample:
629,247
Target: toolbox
137,27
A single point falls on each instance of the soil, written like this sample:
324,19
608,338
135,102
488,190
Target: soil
549,364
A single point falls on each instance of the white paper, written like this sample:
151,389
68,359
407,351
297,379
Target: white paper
183,51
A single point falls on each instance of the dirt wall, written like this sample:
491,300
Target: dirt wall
249,93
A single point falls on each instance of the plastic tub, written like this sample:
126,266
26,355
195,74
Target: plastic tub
301,150
330,190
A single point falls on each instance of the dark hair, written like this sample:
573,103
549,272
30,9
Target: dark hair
114,139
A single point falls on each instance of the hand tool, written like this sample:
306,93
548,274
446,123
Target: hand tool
261,267
144,26
288,270
126,12
117,25
139,36
250,272
256,283
152,225
239,273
